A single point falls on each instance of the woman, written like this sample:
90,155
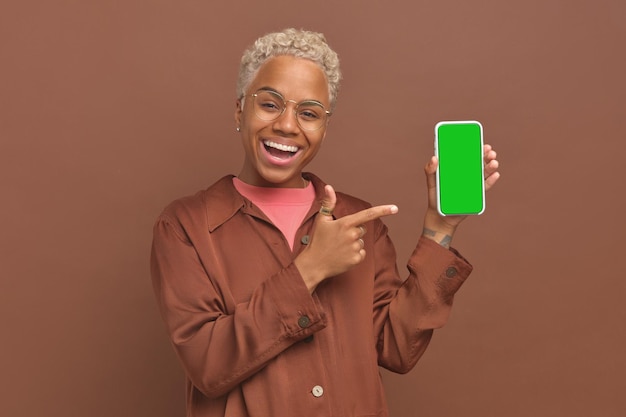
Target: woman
282,296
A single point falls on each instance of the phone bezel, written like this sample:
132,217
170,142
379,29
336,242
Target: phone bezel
482,173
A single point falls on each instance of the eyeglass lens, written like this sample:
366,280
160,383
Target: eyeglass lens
269,105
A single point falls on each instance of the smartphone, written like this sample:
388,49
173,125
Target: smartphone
460,175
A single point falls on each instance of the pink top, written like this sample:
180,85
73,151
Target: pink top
285,207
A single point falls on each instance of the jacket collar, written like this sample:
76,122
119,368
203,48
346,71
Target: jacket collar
222,201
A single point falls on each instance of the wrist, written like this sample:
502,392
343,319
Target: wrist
442,238
310,275
436,228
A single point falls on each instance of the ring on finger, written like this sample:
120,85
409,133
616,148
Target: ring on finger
326,211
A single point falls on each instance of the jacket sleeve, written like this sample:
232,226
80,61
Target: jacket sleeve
407,312
220,346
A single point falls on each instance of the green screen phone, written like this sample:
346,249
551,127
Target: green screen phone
460,176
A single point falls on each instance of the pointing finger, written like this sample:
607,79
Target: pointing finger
370,214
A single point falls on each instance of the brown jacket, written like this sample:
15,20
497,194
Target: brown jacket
254,342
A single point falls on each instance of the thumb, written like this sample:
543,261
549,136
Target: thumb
329,201
431,169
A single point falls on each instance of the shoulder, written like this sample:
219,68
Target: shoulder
219,197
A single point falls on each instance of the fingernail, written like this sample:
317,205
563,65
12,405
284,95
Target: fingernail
393,209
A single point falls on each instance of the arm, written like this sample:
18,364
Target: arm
407,312
220,344
405,320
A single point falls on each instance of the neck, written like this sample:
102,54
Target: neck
259,181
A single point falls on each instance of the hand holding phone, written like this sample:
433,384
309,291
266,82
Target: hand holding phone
460,174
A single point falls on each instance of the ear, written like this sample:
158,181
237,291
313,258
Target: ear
238,112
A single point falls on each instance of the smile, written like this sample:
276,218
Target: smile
279,150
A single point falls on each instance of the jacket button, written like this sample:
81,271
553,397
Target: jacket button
304,322
317,391
305,239
451,272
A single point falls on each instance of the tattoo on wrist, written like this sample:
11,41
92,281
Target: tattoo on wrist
445,241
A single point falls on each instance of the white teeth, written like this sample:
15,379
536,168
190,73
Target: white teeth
284,148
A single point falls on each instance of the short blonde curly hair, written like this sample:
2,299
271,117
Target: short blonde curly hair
295,42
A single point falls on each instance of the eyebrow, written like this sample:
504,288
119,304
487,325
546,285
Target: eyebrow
267,88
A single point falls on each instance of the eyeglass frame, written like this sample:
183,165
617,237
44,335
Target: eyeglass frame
328,113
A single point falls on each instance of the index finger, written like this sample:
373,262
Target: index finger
370,214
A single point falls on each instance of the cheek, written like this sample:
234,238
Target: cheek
321,137
250,122
315,143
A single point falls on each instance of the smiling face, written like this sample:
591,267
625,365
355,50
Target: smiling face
277,151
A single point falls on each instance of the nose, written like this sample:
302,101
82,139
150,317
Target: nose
287,122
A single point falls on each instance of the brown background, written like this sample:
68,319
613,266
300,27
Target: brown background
109,110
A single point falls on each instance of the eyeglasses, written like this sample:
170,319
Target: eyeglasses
269,105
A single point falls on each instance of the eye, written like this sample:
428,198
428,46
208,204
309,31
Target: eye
268,102
269,106
310,112
308,115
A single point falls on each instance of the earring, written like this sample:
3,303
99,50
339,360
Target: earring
238,129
